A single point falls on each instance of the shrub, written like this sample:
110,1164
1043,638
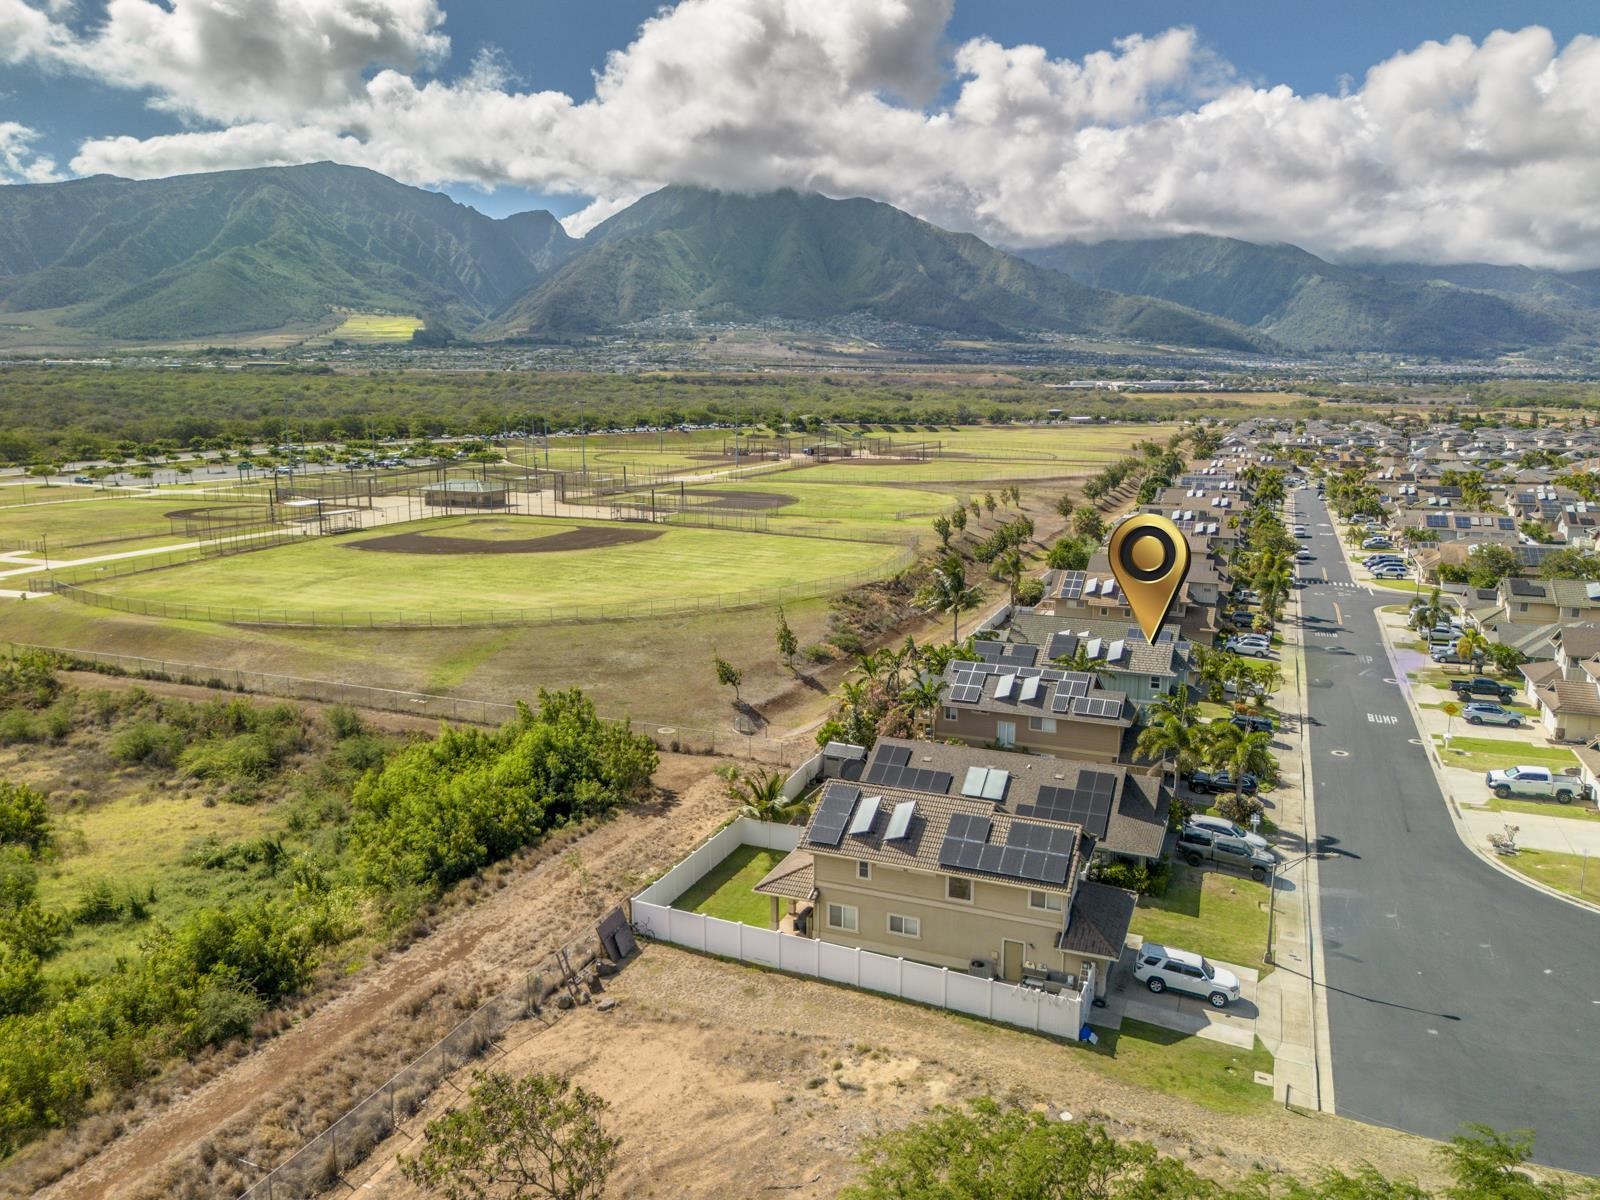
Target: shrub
344,721
243,758
18,725
1030,592
150,743
24,818
1240,808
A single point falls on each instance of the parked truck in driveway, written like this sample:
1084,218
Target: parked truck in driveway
1482,685
1538,783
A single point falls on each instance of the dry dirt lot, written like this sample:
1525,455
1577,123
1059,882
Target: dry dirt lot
727,1081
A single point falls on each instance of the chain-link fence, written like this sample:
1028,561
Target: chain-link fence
468,710
320,1164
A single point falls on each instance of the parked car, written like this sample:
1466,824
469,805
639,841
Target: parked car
1391,573
1252,724
1205,783
1444,635
1300,531
1249,647
81,479
1377,543
1197,846
1162,967
1445,655
1485,713
1482,685
1303,555
1539,782
1230,828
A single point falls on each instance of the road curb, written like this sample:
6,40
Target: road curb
1452,806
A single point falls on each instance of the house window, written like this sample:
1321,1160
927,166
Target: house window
1155,682
950,714
1044,901
910,927
842,916
1042,724
957,888
1522,606
863,869
1005,733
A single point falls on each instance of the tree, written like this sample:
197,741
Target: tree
1471,646
943,527
948,591
923,695
1068,554
538,1136
1089,524
1080,661
760,796
728,675
959,518
1570,564
1430,613
1240,752
1170,734
1008,568
1065,504
788,644
1487,565
988,503
1506,659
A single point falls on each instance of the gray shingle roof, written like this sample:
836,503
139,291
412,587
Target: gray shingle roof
1165,658
1098,925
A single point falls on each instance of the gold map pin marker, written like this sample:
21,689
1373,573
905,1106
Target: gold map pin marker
1150,558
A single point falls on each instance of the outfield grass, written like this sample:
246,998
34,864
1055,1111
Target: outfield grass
725,890
333,574
1211,1074
1496,754
1213,913
70,524
1569,873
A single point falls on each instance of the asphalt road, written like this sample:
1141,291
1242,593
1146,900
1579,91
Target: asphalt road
1455,994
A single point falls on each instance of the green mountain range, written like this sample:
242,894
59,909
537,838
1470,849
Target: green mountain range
803,256
245,251
1305,303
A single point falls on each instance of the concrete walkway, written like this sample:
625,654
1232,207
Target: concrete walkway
1128,999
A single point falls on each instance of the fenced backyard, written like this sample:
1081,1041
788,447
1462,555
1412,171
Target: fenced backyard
653,915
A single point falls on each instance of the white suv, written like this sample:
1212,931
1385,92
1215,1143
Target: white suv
1162,967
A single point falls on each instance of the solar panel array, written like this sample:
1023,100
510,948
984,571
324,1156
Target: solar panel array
833,814
1506,523
1052,839
891,767
1027,854
966,682
1061,644
1103,707
1087,803
1007,654
1437,521
1072,585
1069,689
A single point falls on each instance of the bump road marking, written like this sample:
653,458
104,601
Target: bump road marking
1383,719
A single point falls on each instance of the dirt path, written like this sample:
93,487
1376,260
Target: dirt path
486,946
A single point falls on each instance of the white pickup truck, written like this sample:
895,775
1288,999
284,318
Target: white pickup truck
1539,782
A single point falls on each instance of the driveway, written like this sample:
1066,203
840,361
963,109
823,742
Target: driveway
1129,999
1454,993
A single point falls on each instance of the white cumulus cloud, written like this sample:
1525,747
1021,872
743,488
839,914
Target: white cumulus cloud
18,162
1455,150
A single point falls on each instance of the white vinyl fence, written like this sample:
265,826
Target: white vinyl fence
1060,1015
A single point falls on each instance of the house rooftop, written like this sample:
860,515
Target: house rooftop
1099,922
1015,690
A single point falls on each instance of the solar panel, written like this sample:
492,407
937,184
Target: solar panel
900,820
1092,587
1002,689
994,787
1463,522
1030,690
1049,839
1061,645
988,649
1102,707
972,785
866,814
894,756
833,814
1020,654
1506,523
1072,585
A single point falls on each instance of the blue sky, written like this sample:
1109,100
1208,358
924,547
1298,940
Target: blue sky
1345,127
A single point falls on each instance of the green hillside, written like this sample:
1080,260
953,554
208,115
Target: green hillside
1307,304
239,251
785,254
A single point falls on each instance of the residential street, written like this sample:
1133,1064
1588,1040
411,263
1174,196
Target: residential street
1455,994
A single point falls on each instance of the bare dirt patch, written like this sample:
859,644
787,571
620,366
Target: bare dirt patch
741,500
728,1081
589,537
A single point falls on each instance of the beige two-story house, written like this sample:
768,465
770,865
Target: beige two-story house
1045,710
974,880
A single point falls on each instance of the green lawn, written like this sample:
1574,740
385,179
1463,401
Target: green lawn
1211,1074
1496,754
1576,810
1213,913
681,566
725,891
1569,873
842,504
132,522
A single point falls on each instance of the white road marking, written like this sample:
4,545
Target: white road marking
1383,719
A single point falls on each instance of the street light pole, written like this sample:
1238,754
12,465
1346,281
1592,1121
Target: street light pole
1272,900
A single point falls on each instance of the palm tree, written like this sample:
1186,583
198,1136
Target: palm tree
1471,646
1240,753
923,695
760,795
1213,669
1080,661
948,591
1008,568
